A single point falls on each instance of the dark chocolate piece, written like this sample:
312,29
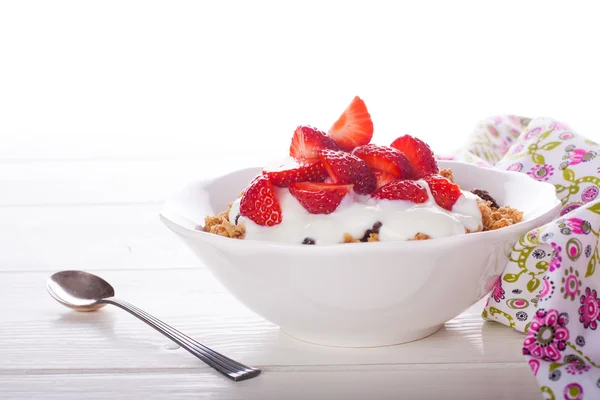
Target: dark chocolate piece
236,218
308,241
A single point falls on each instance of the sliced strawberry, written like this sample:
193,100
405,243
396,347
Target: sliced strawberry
354,127
314,172
419,154
345,169
319,198
383,178
402,190
384,159
445,193
260,204
307,142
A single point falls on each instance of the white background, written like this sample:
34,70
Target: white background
205,79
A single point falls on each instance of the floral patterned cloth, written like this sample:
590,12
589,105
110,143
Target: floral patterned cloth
550,289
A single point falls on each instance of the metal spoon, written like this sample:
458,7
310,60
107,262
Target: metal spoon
83,291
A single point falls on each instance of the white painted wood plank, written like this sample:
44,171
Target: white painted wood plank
34,329
90,238
452,381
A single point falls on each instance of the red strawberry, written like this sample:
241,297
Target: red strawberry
319,198
402,190
419,154
384,159
259,202
383,178
307,142
354,127
445,193
344,169
314,172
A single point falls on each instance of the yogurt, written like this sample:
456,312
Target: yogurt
401,220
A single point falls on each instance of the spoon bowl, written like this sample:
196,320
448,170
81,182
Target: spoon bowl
79,290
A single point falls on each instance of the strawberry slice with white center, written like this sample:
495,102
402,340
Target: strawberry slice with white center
384,159
345,169
319,198
288,173
260,204
402,190
445,193
354,127
307,142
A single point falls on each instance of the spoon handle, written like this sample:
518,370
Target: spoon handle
225,365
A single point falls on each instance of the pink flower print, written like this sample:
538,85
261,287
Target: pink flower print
535,132
493,131
498,292
566,136
570,207
547,335
534,365
441,157
547,290
589,312
541,172
577,367
589,194
556,258
573,391
578,226
577,156
518,149
497,120
517,167
557,126
571,284
504,146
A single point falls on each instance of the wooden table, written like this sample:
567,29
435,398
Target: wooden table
102,216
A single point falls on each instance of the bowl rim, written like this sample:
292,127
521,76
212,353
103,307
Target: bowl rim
351,247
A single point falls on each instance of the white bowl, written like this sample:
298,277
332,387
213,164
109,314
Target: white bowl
360,294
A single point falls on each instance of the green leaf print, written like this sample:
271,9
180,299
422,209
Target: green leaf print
545,135
533,284
510,278
548,393
569,175
551,145
591,268
494,311
560,188
543,265
538,159
554,365
595,208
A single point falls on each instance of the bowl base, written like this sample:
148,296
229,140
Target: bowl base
369,341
